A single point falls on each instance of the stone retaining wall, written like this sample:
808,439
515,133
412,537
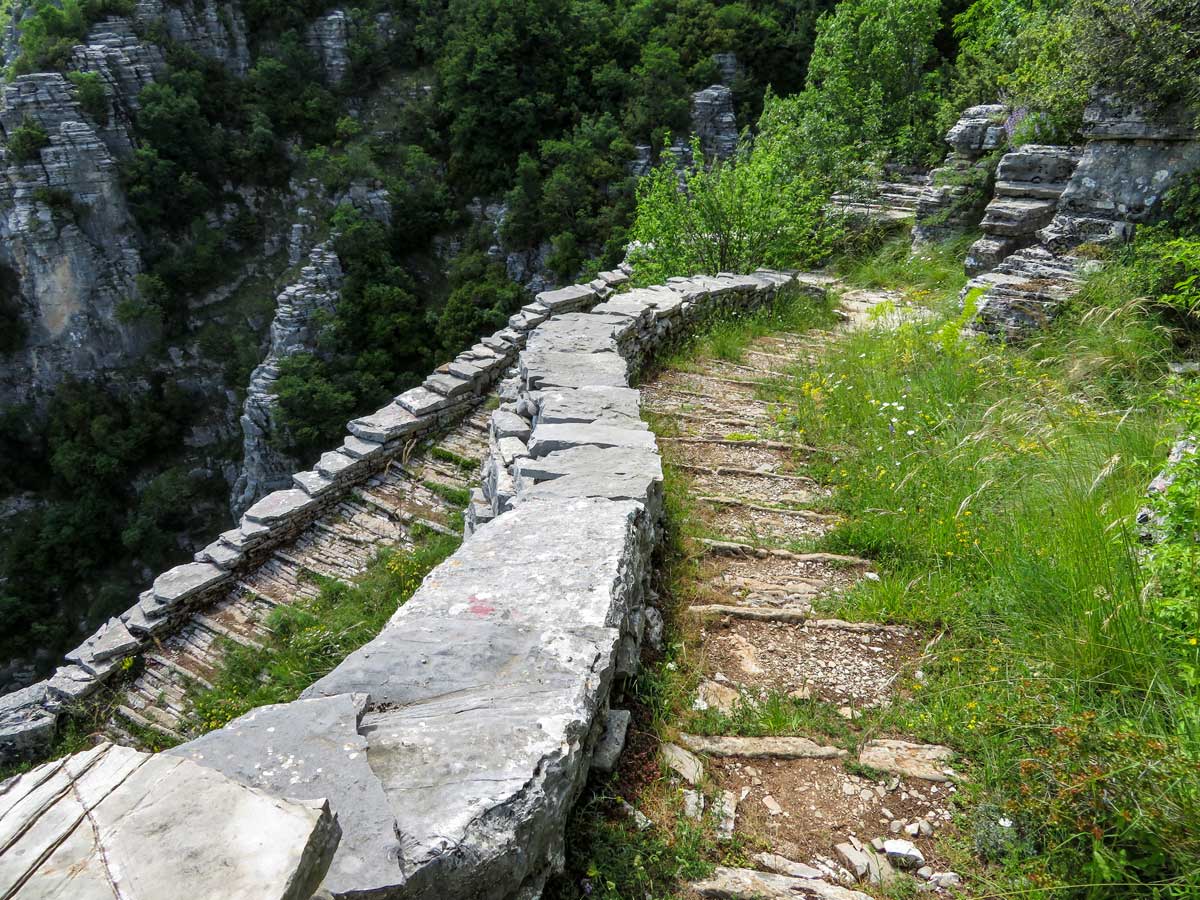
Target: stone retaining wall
452,747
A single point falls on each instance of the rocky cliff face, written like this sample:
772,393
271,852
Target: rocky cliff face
68,243
293,330
958,191
211,28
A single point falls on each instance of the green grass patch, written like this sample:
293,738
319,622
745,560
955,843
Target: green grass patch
729,332
997,490
310,638
467,465
458,496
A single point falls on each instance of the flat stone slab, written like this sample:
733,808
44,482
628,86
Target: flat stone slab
387,424
581,333
508,424
420,401
558,368
312,483
111,640
566,298
612,405
114,823
594,460
311,750
926,761
761,748
747,884
336,464
549,438
182,582
450,386
277,506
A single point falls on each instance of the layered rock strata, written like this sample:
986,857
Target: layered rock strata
958,190
68,243
453,745
1029,181
1131,159
299,311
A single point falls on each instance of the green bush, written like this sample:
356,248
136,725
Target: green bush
90,93
27,141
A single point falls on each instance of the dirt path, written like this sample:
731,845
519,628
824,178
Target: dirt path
824,817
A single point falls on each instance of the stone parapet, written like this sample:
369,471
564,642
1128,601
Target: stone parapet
452,746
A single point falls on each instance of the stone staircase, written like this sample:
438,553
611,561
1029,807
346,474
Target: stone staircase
827,827
379,514
892,200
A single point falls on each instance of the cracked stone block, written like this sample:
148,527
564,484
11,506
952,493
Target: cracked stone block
161,828
221,555
184,582
111,641
507,424
312,483
566,299
726,883
336,464
565,369
925,761
608,749
449,386
355,446
312,750
420,401
28,722
587,405
278,506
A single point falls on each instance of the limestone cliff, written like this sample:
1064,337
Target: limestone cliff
68,244
294,330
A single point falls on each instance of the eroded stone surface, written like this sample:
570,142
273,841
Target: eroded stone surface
112,822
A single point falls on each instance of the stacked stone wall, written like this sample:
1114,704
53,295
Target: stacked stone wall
452,747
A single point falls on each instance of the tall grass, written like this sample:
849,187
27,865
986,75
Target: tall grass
998,487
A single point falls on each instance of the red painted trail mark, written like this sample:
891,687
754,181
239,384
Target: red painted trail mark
480,607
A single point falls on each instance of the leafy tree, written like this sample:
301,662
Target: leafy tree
481,302
873,75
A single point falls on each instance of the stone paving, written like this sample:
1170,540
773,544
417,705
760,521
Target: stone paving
833,831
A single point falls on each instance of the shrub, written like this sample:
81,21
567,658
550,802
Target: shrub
27,141
90,93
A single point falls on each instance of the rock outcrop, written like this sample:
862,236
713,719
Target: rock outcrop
328,39
1029,181
714,121
1131,158
211,28
68,244
299,310
959,190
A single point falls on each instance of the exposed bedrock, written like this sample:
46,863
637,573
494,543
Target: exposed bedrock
68,245
1131,159
300,308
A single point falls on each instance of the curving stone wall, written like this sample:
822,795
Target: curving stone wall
452,746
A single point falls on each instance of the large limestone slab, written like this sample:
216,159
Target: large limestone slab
113,823
387,424
485,687
311,750
927,761
549,438
613,405
581,333
563,300
747,884
277,507
564,369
